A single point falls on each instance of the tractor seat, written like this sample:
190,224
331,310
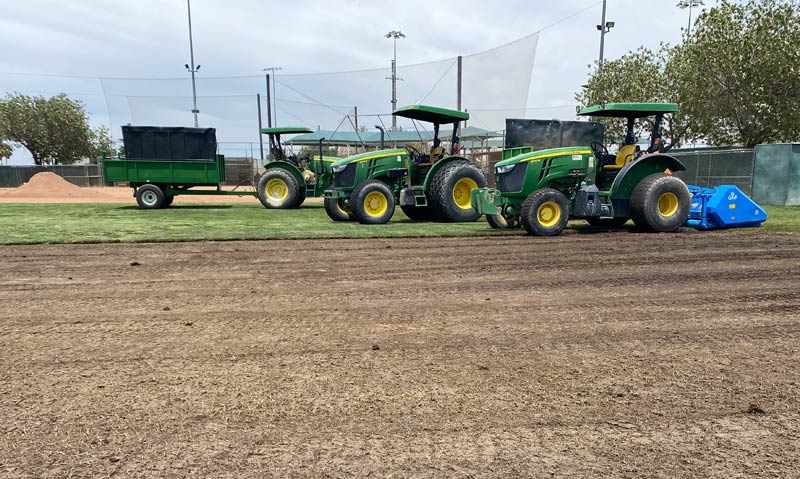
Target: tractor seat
437,153
626,154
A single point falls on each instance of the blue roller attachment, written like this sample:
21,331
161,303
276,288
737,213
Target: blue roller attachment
724,206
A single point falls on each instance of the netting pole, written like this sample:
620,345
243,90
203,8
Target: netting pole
269,105
260,137
458,92
355,114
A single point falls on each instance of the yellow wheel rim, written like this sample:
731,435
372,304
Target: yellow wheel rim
340,206
548,214
461,192
667,204
277,189
375,204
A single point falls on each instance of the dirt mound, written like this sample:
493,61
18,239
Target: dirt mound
50,185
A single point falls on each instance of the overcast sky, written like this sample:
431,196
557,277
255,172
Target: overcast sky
149,38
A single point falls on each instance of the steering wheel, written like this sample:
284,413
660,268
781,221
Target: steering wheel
413,152
599,149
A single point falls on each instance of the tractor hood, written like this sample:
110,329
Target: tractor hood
535,155
369,155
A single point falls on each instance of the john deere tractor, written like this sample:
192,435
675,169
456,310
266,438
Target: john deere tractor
289,180
541,190
427,186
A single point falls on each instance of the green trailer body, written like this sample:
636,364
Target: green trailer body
163,162
541,190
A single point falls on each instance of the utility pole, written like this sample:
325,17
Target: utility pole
193,69
394,35
689,4
274,96
604,28
458,87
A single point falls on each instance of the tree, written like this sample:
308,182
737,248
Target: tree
736,78
740,73
54,130
639,76
314,151
5,148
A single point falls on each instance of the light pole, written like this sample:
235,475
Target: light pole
394,35
683,4
192,69
274,96
604,28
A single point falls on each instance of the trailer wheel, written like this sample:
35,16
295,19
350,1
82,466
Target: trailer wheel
450,191
545,212
418,213
661,203
277,188
150,197
372,202
607,222
337,211
503,221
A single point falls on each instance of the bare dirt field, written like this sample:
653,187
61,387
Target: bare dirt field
590,355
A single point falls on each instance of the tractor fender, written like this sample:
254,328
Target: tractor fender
438,166
290,167
634,172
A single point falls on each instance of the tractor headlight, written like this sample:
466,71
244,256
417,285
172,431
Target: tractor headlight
339,168
505,169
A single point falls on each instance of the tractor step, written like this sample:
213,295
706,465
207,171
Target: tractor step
413,196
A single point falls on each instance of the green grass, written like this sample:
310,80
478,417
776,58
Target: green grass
92,223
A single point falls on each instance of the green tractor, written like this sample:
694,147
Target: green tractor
541,190
289,180
427,186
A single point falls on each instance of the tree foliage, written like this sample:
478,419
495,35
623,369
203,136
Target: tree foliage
54,130
5,148
740,71
639,76
736,77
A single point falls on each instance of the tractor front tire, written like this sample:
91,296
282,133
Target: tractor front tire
660,203
278,189
150,197
418,213
450,191
502,221
545,212
337,211
372,202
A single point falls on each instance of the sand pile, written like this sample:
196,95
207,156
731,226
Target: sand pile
52,186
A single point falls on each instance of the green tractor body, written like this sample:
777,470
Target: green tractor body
541,190
427,186
289,180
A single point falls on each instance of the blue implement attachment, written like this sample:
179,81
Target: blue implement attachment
724,206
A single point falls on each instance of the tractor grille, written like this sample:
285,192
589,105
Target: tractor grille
346,178
511,182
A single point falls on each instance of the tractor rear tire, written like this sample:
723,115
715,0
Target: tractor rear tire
419,213
336,210
607,222
660,203
150,197
278,189
372,203
503,222
450,191
545,212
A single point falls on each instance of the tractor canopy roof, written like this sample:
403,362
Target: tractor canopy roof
629,110
286,130
431,114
